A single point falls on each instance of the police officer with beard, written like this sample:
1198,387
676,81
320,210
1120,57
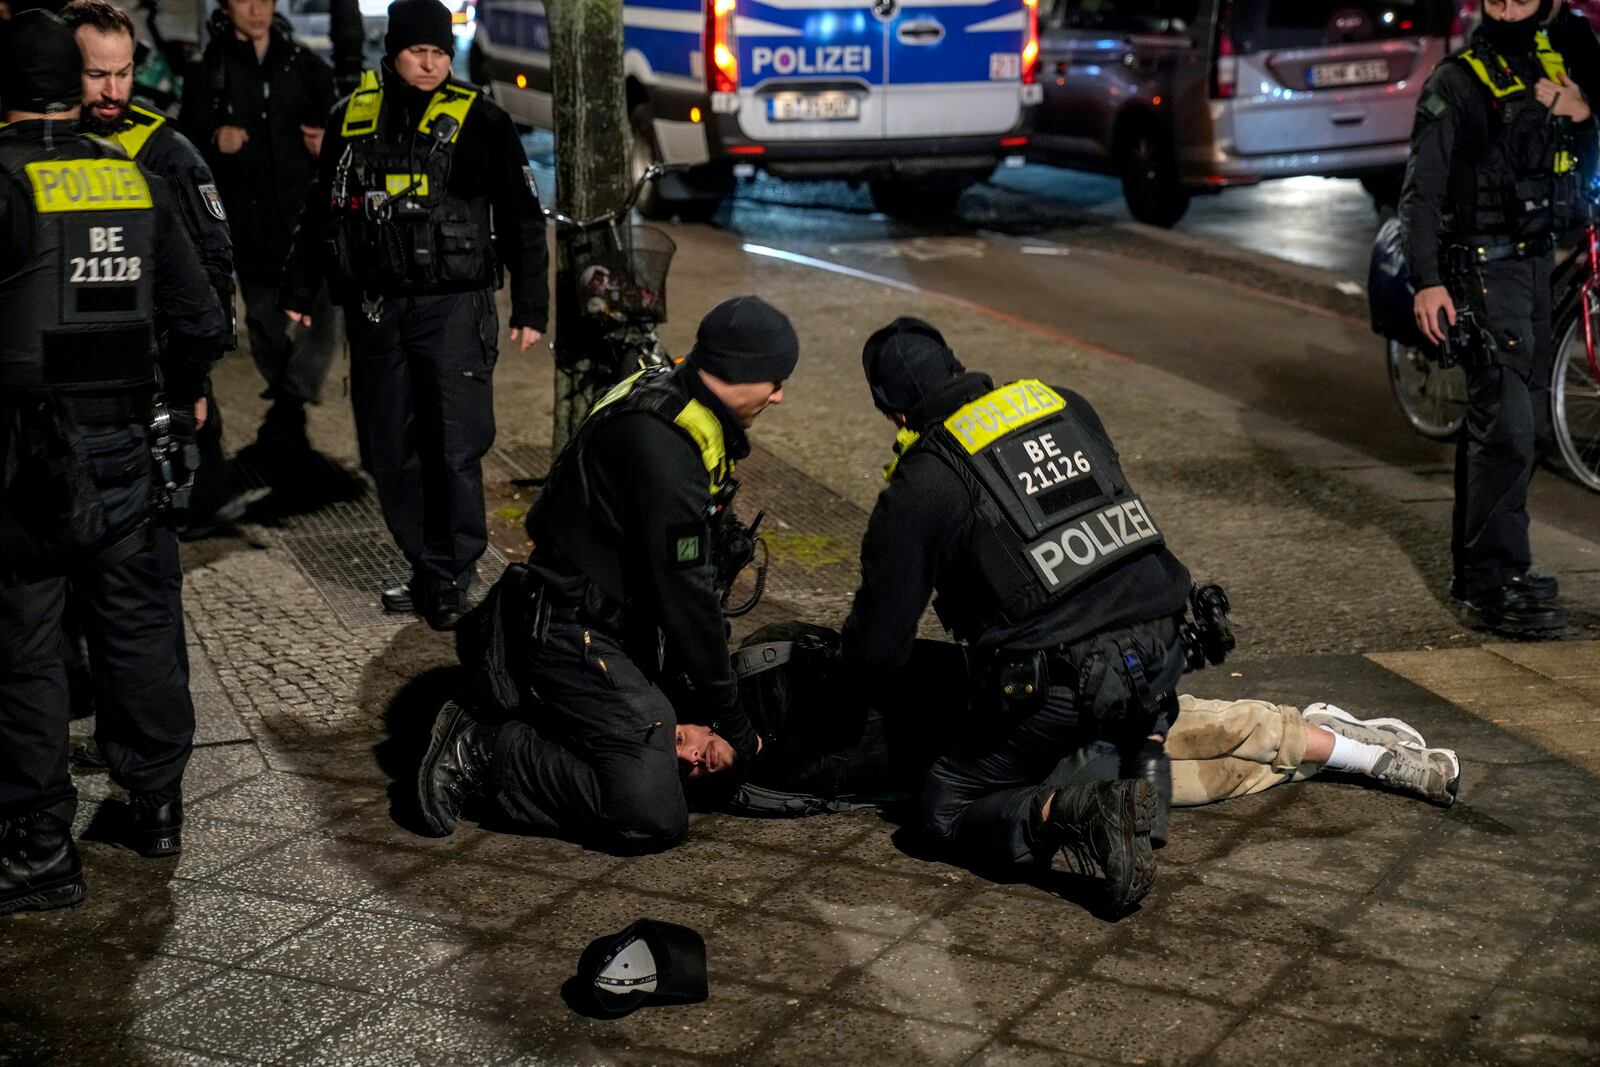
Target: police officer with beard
617,636
91,250
413,164
1010,505
1501,135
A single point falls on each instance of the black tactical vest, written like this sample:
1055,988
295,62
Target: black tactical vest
1525,185
1052,507
77,314
569,519
396,226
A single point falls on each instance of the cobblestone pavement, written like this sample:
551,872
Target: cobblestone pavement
305,922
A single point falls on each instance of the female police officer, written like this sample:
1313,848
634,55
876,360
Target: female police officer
398,221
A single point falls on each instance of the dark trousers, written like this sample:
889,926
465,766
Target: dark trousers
421,379
293,360
1508,416
144,715
597,762
985,797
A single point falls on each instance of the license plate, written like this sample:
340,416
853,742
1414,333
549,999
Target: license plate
813,107
1364,72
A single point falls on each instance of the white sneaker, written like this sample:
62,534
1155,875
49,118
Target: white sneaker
1386,732
1431,773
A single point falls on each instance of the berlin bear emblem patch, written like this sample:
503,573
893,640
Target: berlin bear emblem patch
213,201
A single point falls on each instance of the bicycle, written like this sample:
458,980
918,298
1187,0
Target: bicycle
616,293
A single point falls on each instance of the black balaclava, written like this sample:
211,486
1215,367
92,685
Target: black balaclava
418,22
905,362
41,69
743,340
1514,38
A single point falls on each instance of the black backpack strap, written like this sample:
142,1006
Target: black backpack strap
758,659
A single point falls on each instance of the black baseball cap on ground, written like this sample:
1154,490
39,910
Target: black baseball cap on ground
649,963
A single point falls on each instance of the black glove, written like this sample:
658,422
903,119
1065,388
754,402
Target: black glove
1149,762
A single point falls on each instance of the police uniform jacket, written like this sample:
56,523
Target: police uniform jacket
181,290
487,164
920,540
152,141
1573,36
626,512
263,184
1456,125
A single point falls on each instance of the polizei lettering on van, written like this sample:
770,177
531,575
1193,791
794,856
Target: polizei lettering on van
1070,553
818,59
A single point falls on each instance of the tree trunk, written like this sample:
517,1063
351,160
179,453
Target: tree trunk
591,119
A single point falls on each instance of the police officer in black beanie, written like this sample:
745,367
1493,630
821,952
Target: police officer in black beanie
1010,504
413,165
1501,137
621,570
91,251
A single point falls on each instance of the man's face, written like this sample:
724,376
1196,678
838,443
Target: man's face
252,19
701,751
107,77
747,400
1510,10
423,66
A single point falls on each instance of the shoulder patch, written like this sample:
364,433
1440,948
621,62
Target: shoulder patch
1433,105
527,176
212,200
686,545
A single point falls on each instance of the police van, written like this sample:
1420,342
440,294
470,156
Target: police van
920,98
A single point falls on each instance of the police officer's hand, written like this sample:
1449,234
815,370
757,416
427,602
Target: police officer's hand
525,337
230,139
299,318
312,135
1426,307
200,412
1563,98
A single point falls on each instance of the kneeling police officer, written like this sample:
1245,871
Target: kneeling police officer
1010,504
620,605
91,252
398,218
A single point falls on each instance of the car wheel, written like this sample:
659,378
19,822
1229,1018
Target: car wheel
928,199
1150,179
641,153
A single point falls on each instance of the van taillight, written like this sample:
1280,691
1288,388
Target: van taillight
1030,44
722,59
1225,71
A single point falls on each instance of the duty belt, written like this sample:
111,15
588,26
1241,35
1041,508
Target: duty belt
1470,250
108,408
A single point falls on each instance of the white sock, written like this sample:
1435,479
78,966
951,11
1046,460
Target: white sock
1351,755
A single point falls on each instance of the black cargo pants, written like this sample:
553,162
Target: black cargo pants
420,380
596,760
1507,424
144,716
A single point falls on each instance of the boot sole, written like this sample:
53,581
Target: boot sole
155,846
1136,801
65,895
440,822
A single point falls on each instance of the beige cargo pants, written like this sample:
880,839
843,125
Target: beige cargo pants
1232,748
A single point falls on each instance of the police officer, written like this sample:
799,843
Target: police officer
91,249
1500,137
106,37
622,568
1009,503
413,165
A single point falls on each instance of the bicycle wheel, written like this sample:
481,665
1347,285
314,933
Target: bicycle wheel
1433,399
1575,407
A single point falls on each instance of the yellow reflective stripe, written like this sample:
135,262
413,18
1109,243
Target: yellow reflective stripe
395,184
1482,71
361,113
903,440
136,132
616,392
88,185
703,426
993,415
1552,62
1565,163
451,101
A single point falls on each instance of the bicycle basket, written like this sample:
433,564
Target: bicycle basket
619,273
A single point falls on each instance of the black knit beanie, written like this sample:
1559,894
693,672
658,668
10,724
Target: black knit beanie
745,339
418,22
41,69
905,362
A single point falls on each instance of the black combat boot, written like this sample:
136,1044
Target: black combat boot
456,767
39,865
1149,763
1105,827
1514,609
155,826
397,599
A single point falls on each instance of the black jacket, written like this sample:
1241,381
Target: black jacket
263,184
917,543
1573,36
1454,127
489,162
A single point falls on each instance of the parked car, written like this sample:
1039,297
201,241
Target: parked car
919,99
1178,97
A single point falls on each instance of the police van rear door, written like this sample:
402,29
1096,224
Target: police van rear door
954,66
810,70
